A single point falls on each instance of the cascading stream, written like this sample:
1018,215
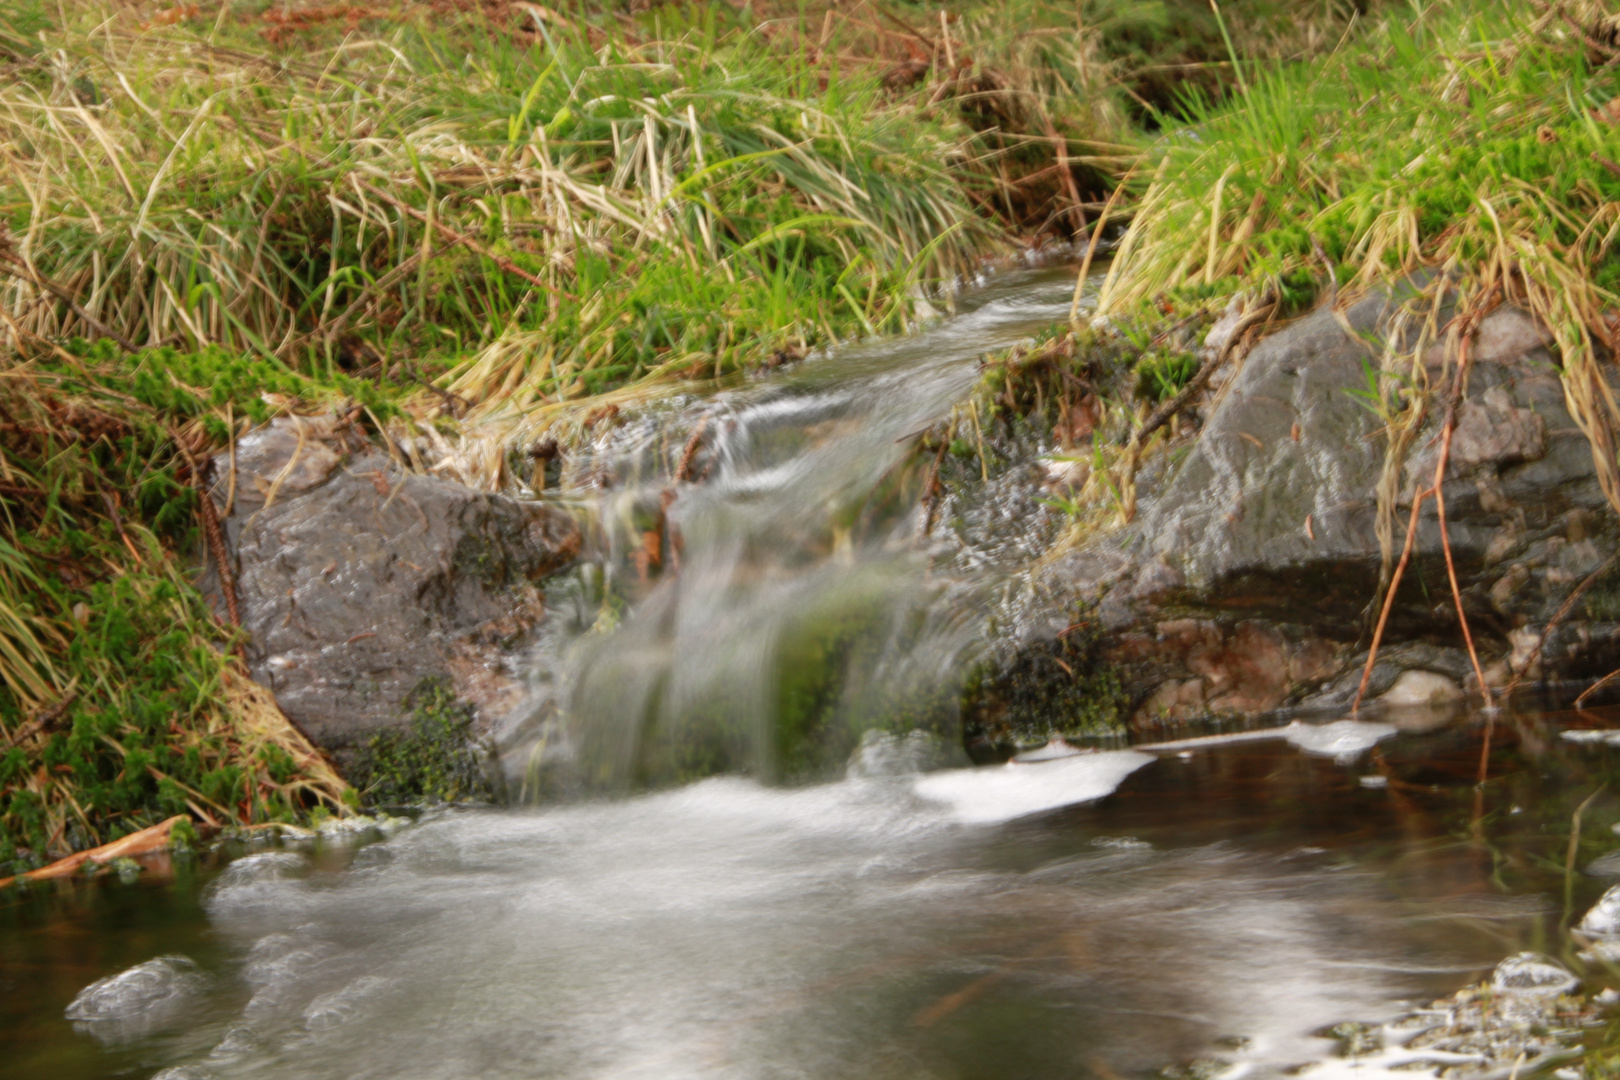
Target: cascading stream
801,602
1205,911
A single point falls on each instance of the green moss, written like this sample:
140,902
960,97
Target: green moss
1058,687
434,760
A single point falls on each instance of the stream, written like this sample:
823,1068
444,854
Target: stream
726,869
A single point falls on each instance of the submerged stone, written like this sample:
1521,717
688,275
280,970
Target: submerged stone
1603,920
133,1002
1534,974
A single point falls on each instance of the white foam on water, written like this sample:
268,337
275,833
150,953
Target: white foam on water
1018,789
1344,739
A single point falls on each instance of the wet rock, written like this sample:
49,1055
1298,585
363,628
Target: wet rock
1603,920
359,579
884,754
1534,974
1604,866
1525,1020
1417,687
1245,584
1342,740
135,1002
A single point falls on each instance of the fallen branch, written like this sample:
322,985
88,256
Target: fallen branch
144,842
1161,415
1168,409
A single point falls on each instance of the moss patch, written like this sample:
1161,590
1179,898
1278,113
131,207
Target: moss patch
434,760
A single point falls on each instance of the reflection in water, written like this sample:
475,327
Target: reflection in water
844,930
1220,905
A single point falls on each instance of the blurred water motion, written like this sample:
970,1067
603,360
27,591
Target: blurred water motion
808,604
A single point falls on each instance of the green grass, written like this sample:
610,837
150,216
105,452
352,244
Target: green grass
253,211
122,698
1468,149
688,204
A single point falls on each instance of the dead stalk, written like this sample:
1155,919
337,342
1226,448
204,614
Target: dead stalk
1418,495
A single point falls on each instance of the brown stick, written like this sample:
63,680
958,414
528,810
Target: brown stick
212,532
1061,146
1451,569
1558,617
933,46
46,719
1418,495
28,273
137,843
1161,415
683,471
332,329
1590,690
1440,464
462,238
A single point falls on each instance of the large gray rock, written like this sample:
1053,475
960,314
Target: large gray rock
359,579
1245,583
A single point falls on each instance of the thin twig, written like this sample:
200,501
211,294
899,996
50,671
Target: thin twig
1161,415
1418,495
1590,690
1447,427
1558,617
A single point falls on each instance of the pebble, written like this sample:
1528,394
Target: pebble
144,987
1604,918
1530,973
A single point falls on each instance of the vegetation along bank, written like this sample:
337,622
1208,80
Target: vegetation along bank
490,225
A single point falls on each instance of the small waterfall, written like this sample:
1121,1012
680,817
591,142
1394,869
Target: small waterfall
760,618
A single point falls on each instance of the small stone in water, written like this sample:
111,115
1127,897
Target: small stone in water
1534,974
1604,918
1056,747
1354,1038
1604,866
134,1003
144,987
1375,781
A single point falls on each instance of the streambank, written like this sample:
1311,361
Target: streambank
1250,577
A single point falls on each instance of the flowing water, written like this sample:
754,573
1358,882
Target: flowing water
1123,914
